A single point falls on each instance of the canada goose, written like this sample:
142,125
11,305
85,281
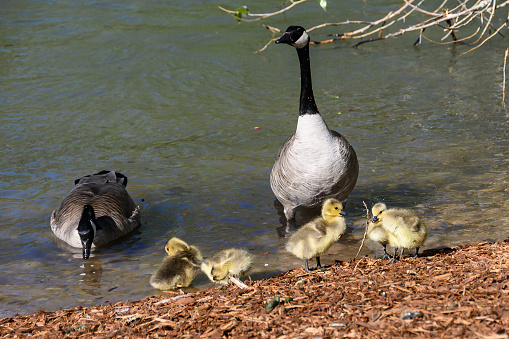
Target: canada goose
404,228
96,211
318,235
228,263
377,233
315,163
179,268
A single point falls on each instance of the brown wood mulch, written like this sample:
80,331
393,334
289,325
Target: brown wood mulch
448,293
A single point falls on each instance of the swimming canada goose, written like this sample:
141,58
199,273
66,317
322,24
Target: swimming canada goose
315,163
377,233
228,263
96,211
179,268
404,228
318,235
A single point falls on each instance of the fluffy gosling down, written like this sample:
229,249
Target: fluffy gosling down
377,233
404,228
317,236
226,264
179,268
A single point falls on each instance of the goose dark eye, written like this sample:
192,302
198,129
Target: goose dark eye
336,208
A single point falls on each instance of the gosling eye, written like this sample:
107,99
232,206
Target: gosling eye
336,208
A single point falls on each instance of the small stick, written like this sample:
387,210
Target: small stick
358,262
239,283
365,232
503,82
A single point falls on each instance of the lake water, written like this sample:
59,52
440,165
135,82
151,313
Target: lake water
169,94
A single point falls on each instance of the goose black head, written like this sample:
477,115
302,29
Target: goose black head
295,36
87,229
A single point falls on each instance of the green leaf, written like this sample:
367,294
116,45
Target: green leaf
241,11
323,4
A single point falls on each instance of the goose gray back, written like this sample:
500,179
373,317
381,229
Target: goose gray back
100,207
315,163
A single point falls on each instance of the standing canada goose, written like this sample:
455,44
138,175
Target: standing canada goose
96,211
315,163
404,228
228,263
377,233
318,235
179,268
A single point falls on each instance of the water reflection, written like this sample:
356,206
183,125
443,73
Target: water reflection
92,271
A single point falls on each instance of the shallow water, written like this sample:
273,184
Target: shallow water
170,95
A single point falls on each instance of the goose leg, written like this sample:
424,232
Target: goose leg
318,265
386,255
401,254
290,226
290,218
394,256
306,265
416,253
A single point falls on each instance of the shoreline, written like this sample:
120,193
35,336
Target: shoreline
450,292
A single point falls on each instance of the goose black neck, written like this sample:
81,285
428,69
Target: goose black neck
86,229
307,99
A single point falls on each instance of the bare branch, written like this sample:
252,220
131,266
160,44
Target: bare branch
451,18
489,37
365,231
503,81
262,15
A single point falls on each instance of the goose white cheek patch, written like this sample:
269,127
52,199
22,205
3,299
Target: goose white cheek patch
94,227
302,42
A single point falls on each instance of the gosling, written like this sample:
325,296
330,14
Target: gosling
404,228
377,233
179,268
229,263
317,236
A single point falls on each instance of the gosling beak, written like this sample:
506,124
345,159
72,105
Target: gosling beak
342,213
375,218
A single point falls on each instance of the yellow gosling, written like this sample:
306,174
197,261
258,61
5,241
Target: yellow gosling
404,228
175,245
228,263
378,234
316,237
179,268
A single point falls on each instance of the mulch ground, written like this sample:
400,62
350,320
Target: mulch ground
448,293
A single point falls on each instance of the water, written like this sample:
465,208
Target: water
170,94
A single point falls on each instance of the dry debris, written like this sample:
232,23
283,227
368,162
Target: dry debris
448,293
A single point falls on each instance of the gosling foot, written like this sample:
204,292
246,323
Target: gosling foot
306,265
416,253
318,265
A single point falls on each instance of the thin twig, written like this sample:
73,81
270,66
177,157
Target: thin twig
261,16
266,45
365,231
239,283
488,38
503,82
